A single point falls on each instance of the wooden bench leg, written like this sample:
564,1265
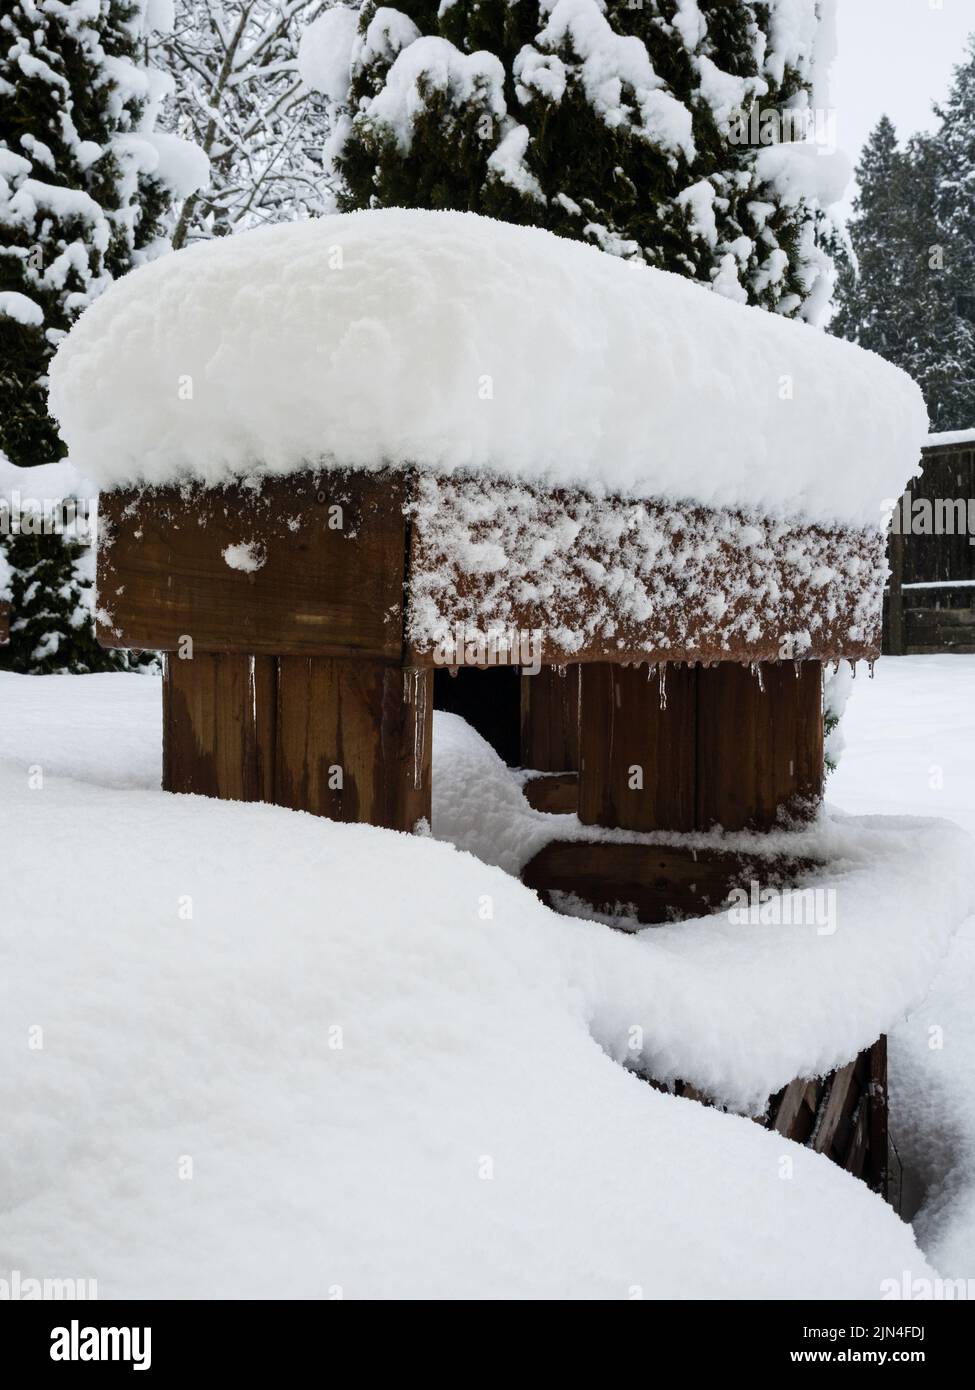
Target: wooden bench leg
637,747
759,743
218,726
346,738
354,740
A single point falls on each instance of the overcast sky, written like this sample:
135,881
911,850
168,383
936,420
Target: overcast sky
895,56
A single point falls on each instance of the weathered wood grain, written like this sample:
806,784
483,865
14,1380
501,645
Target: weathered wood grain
652,883
637,747
759,744
557,793
349,739
216,736
354,740
330,579
550,719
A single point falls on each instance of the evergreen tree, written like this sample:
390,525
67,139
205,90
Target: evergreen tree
953,388
870,284
85,190
909,292
49,585
658,130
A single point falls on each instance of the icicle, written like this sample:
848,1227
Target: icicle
562,671
853,668
651,670
796,668
663,685
756,670
871,667
419,727
453,672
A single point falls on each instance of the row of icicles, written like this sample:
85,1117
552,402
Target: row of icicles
660,669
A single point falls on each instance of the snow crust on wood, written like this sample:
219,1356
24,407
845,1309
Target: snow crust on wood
382,1032
450,341
697,583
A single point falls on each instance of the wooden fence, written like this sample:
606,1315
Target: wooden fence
930,603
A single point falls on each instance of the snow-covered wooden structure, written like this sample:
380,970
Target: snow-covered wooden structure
298,670
358,450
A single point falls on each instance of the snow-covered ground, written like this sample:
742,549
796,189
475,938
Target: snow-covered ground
910,747
251,1052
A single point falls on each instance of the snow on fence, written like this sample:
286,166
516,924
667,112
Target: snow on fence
359,450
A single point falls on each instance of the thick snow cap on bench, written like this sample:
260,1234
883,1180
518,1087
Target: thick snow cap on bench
450,341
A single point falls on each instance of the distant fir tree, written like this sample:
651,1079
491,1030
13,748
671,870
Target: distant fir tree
953,391
870,286
85,192
659,131
909,291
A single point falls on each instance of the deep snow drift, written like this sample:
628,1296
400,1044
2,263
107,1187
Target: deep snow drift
736,1009
451,341
282,1056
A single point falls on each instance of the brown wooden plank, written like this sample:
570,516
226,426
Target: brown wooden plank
895,594
657,883
856,1155
877,1172
925,619
264,682
832,1109
210,733
637,747
550,719
331,578
759,744
354,740
783,1122
557,794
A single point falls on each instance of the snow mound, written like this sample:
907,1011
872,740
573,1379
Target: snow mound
924,708
736,1009
368,1086
451,342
